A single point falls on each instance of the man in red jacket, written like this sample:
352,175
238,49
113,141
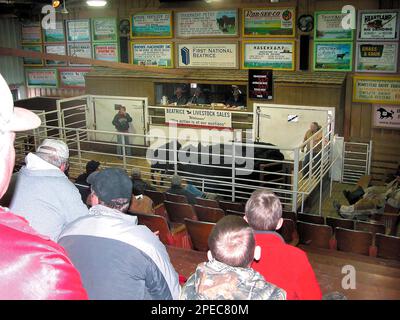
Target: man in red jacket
31,266
283,265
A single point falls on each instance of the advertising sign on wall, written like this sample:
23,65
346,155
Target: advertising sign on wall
206,23
386,116
203,55
377,57
31,33
276,55
328,26
376,89
81,50
33,61
335,56
152,54
54,35
198,118
378,25
73,77
55,49
78,30
151,25
274,22
104,30
44,78
106,52
260,84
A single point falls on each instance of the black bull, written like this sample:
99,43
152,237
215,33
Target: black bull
215,162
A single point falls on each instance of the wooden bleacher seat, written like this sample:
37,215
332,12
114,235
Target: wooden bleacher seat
177,212
389,209
388,246
389,220
342,223
235,206
199,232
234,213
207,203
370,227
177,198
208,214
354,241
289,215
315,235
288,232
160,224
157,196
310,218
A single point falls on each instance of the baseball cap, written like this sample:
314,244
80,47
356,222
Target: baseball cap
111,184
13,118
54,147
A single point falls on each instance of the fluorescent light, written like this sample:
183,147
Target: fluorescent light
96,3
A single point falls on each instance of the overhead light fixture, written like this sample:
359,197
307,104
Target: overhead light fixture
96,3
55,3
64,9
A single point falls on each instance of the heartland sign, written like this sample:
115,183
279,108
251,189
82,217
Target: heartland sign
198,118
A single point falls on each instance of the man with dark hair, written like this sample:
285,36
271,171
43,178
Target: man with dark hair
121,123
227,275
141,203
43,194
81,182
117,258
281,264
32,266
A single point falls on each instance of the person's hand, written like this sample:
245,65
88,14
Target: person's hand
157,233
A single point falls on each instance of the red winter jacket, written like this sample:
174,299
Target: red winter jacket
287,267
33,267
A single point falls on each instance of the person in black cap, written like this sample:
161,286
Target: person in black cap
81,182
117,258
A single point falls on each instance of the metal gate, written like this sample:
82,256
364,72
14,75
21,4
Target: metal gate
356,161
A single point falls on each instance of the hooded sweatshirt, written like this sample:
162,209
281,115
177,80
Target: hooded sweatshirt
215,280
46,198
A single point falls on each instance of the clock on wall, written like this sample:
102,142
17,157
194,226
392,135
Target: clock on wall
305,23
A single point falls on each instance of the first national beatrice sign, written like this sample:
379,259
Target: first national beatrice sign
198,118
203,55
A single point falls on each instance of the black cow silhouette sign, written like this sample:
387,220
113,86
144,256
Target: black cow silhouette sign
384,114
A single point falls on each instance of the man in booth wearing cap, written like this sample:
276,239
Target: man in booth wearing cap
43,193
117,258
32,266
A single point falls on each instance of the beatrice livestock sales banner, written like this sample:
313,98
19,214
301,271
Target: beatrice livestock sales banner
203,55
274,22
152,54
376,89
206,119
206,23
378,25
